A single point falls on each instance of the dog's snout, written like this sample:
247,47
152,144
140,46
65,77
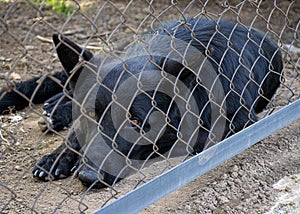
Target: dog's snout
90,177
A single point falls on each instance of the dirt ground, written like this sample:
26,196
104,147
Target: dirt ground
244,184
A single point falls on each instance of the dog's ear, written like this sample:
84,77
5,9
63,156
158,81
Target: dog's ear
69,54
174,68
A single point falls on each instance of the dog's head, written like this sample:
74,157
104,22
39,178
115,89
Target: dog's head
129,110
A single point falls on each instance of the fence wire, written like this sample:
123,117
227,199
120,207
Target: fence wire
98,97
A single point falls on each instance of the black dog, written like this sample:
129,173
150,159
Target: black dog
116,138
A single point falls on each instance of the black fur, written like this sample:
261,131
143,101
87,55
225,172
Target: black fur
58,110
49,87
233,51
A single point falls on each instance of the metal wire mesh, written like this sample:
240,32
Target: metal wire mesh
76,106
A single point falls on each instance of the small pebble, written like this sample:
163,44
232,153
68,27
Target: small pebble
18,168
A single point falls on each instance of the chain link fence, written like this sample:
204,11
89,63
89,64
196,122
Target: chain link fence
99,97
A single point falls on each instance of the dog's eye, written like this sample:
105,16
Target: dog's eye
92,114
134,123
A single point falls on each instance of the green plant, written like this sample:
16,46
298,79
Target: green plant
59,6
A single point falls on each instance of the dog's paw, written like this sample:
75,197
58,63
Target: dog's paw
45,122
55,166
56,117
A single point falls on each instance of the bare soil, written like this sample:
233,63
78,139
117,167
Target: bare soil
243,184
